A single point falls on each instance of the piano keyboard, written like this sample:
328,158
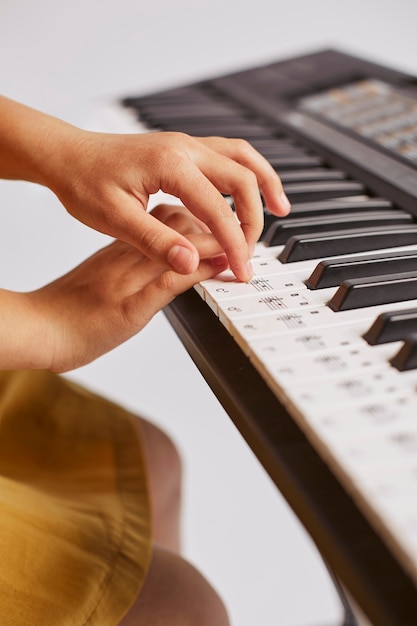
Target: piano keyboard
358,408
329,319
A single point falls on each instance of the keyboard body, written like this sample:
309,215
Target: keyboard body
330,417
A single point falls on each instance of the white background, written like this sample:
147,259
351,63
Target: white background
70,59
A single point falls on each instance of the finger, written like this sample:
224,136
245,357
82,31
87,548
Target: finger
268,179
152,237
241,183
133,271
206,244
181,221
179,218
205,201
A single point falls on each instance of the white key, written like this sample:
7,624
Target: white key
391,495
306,342
225,287
247,330
347,408
326,365
265,261
392,484
322,402
252,306
392,443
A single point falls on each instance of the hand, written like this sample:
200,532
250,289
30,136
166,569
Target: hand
105,181
112,295
106,300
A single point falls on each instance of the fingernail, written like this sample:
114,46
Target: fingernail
182,259
284,202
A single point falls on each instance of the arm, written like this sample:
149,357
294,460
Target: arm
105,181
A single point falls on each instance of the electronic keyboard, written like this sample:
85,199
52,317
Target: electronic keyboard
315,359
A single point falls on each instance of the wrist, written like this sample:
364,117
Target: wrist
33,145
24,334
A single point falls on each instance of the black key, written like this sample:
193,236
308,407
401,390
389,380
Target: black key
282,230
325,207
336,243
392,326
171,96
207,121
315,174
187,110
300,161
207,117
332,272
279,151
362,292
275,145
303,192
406,357
201,129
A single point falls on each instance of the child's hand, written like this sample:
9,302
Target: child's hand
112,295
106,180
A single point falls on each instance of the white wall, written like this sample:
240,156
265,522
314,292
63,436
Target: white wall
70,58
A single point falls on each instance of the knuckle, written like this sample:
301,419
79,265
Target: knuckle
244,147
250,177
220,215
247,180
151,239
130,318
168,149
179,141
167,282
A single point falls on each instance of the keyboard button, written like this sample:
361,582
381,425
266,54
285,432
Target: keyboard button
169,113
303,192
329,364
365,292
406,357
178,97
281,230
252,306
302,247
335,207
273,146
204,129
392,326
226,287
329,208
315,174
301,161
349,389
307,342
332,272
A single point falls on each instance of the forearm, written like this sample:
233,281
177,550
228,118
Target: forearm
24,341
32,144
